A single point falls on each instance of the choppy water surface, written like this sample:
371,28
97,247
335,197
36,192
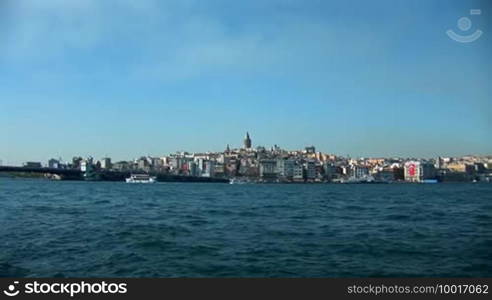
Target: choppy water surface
50,228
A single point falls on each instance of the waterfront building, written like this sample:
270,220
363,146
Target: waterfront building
122,166
452,176
192,168
412,171
345,170
415,171
176,163
249,171
209,169
143,164
310,170
200,164
219,169
461,167
385,175
53,163
222,159
268,168
479,168
359,171
106,163
399,173
156,163
243,168
232,167
76,160
456,167
439,163
298,172
330,170
86,164
285,168
166,161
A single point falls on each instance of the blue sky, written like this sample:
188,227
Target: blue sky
129,78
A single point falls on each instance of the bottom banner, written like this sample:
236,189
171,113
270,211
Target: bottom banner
178,288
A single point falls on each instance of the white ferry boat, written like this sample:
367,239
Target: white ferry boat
140,178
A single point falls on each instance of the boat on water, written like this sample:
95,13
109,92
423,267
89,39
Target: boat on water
429,181
238,181
140,178
361,180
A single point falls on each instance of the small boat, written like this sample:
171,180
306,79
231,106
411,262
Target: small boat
238,181
429,181
140,178
363,179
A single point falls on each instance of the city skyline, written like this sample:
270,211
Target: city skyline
247,145
352,78
259,164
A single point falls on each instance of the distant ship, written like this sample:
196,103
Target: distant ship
238,181
363,179
140,178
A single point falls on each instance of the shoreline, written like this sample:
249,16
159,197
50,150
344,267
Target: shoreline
190,179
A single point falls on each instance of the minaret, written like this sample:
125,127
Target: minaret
247,141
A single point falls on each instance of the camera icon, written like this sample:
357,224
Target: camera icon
11,291
464,24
